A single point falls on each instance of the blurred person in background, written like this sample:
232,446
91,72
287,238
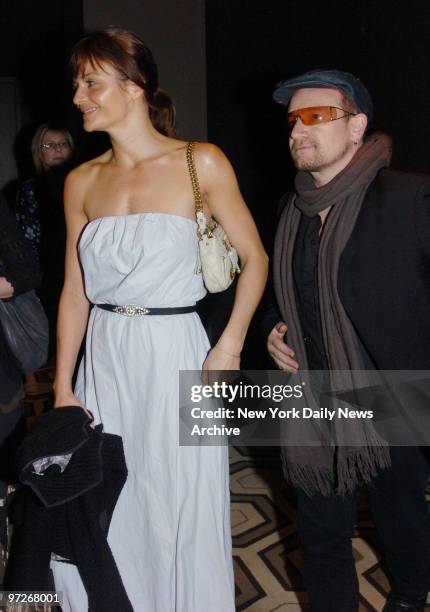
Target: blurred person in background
19,272
39,211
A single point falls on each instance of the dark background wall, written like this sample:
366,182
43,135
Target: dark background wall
175,32
35,43
251,45
35,40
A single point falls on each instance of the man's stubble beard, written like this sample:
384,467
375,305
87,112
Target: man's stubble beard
318,162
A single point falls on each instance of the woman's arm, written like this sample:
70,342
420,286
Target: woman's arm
224,201
74,307
19,270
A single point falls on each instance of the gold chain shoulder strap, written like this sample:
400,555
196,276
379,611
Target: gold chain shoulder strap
194,178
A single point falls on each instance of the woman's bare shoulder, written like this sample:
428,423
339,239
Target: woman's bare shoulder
85,173
203,150
79,181
212,165
209,155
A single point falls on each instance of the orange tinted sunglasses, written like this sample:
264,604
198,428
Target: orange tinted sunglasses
313,115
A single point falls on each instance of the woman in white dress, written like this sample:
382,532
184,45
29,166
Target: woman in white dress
131,239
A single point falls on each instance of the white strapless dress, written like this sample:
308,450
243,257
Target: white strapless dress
170,532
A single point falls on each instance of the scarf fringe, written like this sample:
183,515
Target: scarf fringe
361,465
310,479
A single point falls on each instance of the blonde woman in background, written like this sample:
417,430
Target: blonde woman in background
40,214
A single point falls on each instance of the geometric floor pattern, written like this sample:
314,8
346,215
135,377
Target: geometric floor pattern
266,546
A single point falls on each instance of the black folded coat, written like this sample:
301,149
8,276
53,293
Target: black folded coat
74,475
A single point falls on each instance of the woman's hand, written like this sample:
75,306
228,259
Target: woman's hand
218,360
6,289
66,399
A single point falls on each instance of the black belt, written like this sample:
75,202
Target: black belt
130,310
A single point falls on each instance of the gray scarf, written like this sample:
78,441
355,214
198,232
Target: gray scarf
321,466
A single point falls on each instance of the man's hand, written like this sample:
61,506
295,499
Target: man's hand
281,353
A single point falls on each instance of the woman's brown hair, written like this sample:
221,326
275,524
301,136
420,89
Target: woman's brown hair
133,61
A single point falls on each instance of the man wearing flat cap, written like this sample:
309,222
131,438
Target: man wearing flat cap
352,286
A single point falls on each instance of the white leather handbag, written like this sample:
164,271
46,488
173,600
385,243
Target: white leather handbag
219,262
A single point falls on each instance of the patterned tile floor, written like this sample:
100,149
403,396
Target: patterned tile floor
266,546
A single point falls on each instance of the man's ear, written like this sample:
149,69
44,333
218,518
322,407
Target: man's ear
358,126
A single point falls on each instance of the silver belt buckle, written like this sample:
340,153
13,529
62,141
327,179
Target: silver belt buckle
131,310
